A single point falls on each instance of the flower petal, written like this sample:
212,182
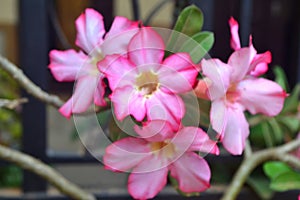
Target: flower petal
125,154
100,92
236,132
163,106
146,47
235,39
219,76
259,95
120,25
240,60
192,173
259,64
137,107
118,70
90,30
147,185
194,139
66,65
218,116
82,97
121,100
155,130
178,73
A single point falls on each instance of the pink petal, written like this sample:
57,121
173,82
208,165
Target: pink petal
259,64
146,47
66,65
121,100
90,30
192,173
194,139
125,154
117,39
235,39
137,107
118,70
155,130
236,132
82,97
259,95
163,106
240,60
201,89
178,73
119,26
218,74
218,116
100,92
147,185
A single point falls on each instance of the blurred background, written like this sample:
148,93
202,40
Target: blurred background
29,29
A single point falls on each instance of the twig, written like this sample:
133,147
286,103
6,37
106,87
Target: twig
251,162
248,149
12,104
28,85
43,170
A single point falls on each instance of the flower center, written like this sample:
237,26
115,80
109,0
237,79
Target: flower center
93,61
147,83
165,148
232,94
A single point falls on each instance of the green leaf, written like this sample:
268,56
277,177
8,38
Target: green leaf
174,183
273,169
292,102
280,77
276,130
190,21
286,181
198,45
267,134
292,123
261,186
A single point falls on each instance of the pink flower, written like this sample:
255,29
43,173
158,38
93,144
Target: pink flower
145,85
234,88
81,66
158,151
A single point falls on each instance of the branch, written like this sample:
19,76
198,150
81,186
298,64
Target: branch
12,104
35,90
28,85
43,170
251,162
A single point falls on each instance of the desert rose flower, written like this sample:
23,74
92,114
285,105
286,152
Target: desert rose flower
158,151
80,66
144,84
234,87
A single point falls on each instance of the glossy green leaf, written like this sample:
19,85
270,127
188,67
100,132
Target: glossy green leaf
273,169
280,77
190,21
276,130
286,181
198,45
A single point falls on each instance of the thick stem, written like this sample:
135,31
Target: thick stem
43,170
257,158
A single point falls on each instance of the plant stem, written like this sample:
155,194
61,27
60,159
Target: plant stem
45,171
257,158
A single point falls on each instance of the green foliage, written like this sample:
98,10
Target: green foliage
198,45
261,187
187,37
282,176
190,21
10,176
281,78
